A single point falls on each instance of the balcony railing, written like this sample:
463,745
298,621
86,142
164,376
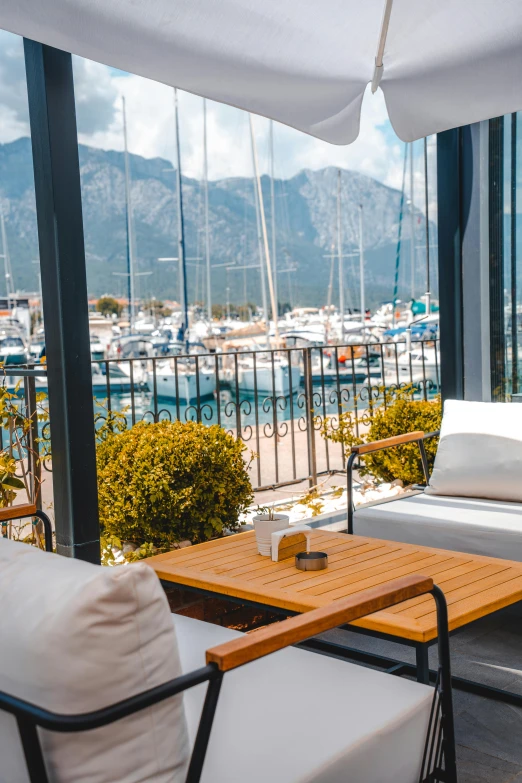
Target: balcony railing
276,401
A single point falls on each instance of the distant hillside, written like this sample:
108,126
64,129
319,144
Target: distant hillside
305,229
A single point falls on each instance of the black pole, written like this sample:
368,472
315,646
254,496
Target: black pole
514,334
496,258
64,284
450,229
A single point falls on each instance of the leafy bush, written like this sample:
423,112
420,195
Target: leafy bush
401,414
171,481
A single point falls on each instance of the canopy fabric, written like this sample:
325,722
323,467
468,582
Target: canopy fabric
305,63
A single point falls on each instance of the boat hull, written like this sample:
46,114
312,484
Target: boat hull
186,388
281,380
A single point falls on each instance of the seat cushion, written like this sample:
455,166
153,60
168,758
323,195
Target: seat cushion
297,716
480,451
474,525
75,637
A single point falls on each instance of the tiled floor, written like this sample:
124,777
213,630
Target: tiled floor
489,733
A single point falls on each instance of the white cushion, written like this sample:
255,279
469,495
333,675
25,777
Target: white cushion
300,717
75,637
480,451
481,527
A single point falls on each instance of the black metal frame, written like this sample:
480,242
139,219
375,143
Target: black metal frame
44,519
496,259
350,468
439,756
54,139
29,717
452,171
424,674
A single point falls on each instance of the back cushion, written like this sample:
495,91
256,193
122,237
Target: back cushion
75,637
480,451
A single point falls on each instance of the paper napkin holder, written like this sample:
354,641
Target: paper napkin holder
289,542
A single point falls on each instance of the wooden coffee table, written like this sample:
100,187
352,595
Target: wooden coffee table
474,587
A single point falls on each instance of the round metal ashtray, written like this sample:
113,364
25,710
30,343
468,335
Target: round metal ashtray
311,561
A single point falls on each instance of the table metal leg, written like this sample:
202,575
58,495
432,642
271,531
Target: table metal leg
423,667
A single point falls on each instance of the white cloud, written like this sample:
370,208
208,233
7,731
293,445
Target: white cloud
150,119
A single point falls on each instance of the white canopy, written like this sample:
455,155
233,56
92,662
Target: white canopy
305,63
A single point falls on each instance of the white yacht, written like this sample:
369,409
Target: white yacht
279,378
413,367
181,381
119,380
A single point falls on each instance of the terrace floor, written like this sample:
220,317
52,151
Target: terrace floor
489,733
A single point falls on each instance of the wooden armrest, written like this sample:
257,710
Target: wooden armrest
408,437
17,512
250,647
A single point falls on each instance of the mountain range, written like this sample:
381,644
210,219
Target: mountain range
305,220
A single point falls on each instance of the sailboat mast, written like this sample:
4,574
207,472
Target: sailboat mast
412,225
207,234
426,207
263,226
181,228
330,283
128,207
260,251
399,238
272,206
340,254
9,288
361,265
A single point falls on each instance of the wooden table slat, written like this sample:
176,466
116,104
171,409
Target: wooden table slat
474,585
388,570
417,608
267,566
369,557
384,575
336,560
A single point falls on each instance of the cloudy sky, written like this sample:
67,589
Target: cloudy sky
99,90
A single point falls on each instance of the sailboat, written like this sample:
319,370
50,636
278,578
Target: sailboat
179,380
265,373
182,380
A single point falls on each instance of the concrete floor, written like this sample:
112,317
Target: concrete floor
488,733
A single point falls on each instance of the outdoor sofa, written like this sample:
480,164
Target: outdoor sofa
473,498
122,690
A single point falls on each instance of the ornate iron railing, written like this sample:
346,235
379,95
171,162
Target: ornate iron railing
276,401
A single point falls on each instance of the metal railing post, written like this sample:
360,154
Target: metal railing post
310,431
33,456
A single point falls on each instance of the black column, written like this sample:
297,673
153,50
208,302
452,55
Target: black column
496,257
449,195
514,295
64,285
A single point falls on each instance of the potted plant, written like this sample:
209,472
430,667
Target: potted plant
267,522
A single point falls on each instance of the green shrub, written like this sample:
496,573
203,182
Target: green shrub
171,481
400,415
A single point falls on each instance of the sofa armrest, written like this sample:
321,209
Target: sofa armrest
386,443
275,637
17,512
367,448
29,510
